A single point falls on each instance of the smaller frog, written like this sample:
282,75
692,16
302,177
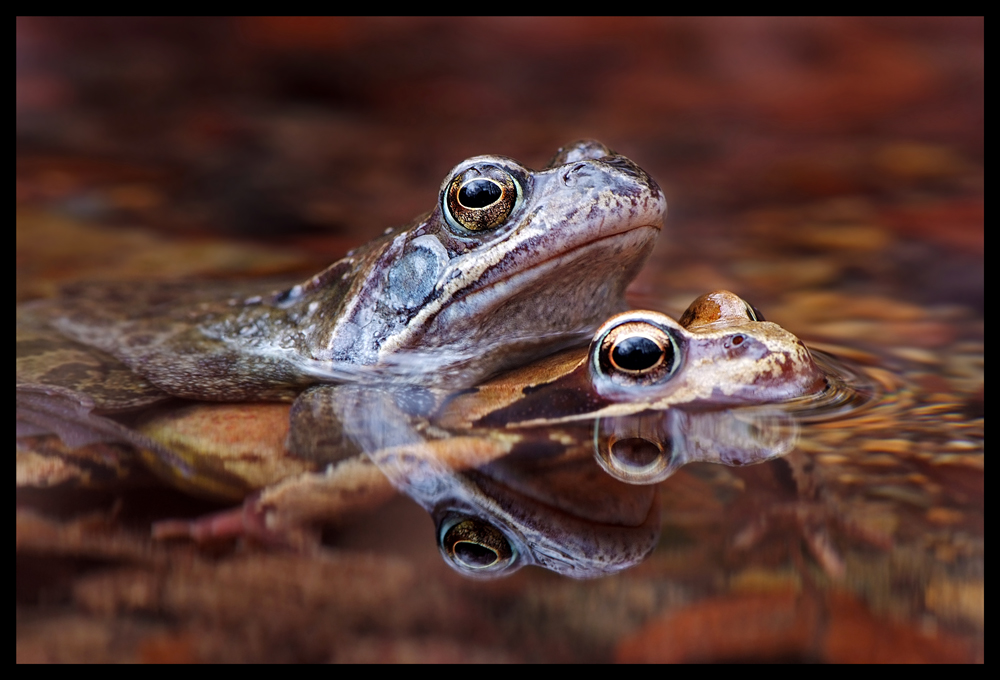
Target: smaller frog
721,353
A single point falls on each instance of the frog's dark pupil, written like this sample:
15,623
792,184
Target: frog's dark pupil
639,353
474,554
479,193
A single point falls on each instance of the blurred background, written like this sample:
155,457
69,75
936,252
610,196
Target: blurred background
320,132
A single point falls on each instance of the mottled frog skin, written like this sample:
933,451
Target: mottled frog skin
722,352
510,264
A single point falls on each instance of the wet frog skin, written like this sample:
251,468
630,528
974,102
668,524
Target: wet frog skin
721,353
566,388
638,361
510,264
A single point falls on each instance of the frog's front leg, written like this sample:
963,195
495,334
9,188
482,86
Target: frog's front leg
303,467
287,513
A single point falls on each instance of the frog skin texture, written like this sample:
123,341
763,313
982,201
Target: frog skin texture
509,265
722,352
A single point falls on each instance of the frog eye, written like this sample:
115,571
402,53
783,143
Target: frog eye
481,197
637,353
475,547
753,313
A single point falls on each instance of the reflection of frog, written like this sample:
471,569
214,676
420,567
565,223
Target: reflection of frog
541,500
555,497
525,489
508,265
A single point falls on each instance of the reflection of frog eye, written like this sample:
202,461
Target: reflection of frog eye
637,353
638,449
635,452
636,460
472,545
482,197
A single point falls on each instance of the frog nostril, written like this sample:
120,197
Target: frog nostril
575,172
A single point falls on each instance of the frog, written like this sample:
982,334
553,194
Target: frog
480,283
509,265
721,352
474,459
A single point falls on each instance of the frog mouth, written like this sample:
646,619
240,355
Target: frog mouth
636,244
503,278
548,289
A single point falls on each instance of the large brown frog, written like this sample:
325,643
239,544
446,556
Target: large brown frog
510,264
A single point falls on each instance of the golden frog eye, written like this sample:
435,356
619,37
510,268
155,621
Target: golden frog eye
473,545
482,197
638,353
